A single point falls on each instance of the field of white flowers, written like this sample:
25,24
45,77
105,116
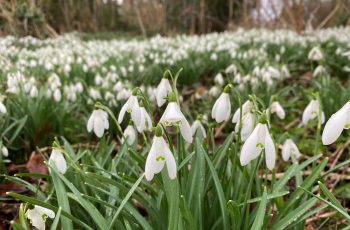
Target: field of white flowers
234,130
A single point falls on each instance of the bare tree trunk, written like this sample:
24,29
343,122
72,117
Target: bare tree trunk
202,16
230,23
193,18
139,19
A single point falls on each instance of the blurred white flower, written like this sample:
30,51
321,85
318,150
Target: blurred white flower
2,108
231,69
38,216
219,79
315,54
98,122
163,89
158,156
197,125
213,91
320,70
130,135
290,148
4,151
57,95
335,125
311,112
278,109
33,92
259,140
58,159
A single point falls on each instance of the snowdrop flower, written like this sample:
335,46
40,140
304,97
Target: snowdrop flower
145,120
57,95
278,109
4,151
173,116
319,71
248,120
98,122
158,156
259,140
290,148
213,91
163,89
246,108
248,123
197,125
315,54
222,108
58,159
335,125
130,135
311,112
131,106
2,108
219,79
38,216
231,69
33,92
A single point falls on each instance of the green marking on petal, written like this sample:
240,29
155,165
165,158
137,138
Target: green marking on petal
160,158
260,145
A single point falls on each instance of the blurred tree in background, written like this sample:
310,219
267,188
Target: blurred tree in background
48,18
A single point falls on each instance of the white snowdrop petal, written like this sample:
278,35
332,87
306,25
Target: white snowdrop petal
185,130
2,108
286,151
250,148
122,113
98,127
170,164
270,152
334,127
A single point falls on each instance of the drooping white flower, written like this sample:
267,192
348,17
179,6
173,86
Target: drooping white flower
278,109
259,140
163,89
315,54
213,91
130,135
38,216
4,151
222,108
311,112
98,122
335,125
219,79
319,71
131,106
248,123
58,159
158,156
290,148
146,121
2,108
246,108
231,69
57,95
173,116
197,124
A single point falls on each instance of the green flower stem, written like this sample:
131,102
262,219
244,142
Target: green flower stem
246,205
